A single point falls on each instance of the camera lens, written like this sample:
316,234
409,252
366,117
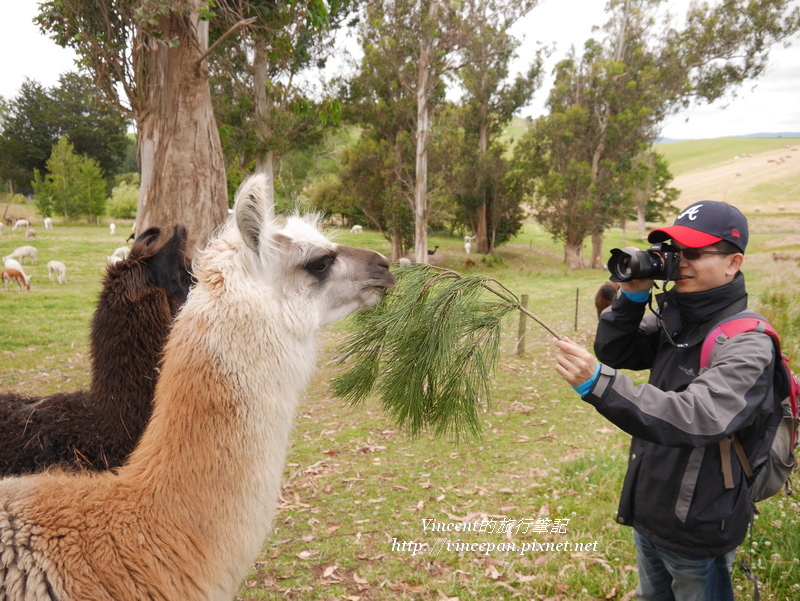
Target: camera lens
626,265
620,267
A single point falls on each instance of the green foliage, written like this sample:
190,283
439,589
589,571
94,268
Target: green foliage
19,199
429,350
73,186
269,109
779,304
609,103
124,200
38,116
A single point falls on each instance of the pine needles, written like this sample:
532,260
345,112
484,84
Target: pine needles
428,350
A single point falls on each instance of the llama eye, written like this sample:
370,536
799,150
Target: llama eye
319,267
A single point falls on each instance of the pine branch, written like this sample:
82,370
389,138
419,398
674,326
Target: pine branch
429,349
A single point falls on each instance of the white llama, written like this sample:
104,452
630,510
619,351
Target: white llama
188,514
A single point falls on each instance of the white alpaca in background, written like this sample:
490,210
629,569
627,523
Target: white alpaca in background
188,514
112,228
57,270
468,240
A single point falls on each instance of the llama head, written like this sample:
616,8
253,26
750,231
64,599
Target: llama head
314,280
153,263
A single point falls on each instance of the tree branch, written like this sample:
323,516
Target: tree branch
236,27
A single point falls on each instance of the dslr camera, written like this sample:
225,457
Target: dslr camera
659,262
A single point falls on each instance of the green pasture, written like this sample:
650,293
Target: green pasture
544,475
691,155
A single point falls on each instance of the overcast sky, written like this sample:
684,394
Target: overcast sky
770,104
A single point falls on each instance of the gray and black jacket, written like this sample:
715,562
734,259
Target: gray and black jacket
673,493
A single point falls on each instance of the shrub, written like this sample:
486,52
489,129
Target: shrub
123,201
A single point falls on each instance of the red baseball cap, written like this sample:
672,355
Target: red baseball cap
705,223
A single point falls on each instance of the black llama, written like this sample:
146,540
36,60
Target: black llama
96,429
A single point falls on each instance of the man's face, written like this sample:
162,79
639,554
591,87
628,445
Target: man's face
705,268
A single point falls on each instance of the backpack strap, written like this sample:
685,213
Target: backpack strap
730,327
737,325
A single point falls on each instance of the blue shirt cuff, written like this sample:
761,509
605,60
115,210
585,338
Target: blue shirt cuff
583,389
637,297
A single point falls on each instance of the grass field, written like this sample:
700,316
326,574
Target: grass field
694,155
368,513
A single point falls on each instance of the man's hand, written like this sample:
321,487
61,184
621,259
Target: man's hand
573,362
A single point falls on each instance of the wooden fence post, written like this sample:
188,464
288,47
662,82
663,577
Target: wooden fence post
523,323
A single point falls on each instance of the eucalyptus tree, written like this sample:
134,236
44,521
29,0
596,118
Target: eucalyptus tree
607,106
490,99
262,84
410,48
381,99
149,57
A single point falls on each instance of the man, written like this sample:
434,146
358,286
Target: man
687,523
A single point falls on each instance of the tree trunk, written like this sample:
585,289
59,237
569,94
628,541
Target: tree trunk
397,245
265,161
482,241
424,85
573,253
597,250
643,195
183,172
641,221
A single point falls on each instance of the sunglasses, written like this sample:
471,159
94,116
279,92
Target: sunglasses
692,254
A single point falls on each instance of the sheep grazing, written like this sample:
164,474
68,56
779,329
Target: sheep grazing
48,223
30,234
98,428
188,513
20,223
17,266
56,269
23,252
112,228
357,229
120,254
605,296
13,275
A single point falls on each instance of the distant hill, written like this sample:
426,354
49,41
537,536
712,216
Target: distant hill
757,174
784,134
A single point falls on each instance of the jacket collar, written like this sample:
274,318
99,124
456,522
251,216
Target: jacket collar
684,315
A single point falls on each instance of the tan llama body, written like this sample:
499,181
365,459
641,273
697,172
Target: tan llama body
187,515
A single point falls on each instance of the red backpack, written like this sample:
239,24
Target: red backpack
774,460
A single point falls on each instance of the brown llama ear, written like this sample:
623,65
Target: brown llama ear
254,210
144,245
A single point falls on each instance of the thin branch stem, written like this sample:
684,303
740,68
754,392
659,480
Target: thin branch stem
513,297
234,28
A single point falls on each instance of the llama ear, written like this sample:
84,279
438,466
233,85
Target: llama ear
148,238
254,209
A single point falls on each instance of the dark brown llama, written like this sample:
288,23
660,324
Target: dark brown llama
97,428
